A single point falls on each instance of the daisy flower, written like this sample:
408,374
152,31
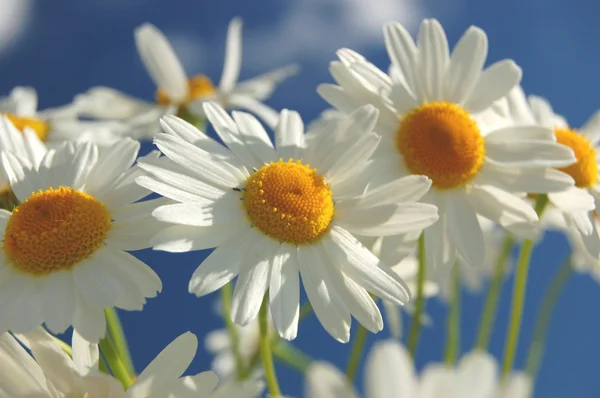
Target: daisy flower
176,93
62,258
51,373
389,372
429,125
276,212
577,204
58,124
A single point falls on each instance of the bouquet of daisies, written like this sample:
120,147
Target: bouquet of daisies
419,181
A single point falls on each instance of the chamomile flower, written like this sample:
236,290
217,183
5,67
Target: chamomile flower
576,204
276,212
62,257
51,373
55,125
429,125
389,372
176,93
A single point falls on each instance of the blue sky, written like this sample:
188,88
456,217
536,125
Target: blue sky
66,46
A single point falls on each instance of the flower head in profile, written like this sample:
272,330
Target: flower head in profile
51,373
389,372
53,126
431,106
572,209
63,256
276,213
177,93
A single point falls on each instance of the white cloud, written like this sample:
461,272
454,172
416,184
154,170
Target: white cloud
14,18
314,29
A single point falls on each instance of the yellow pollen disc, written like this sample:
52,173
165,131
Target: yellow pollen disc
289,201
39,126
441,141
54,230
585,171
198,87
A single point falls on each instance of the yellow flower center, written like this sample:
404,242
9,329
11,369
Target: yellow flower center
198,87
54,230
442,141
289,201
585,171
40,127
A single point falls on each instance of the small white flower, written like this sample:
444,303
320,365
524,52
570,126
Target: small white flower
62,257
176,93
389,372
276,212
574,205
430,104
50,373
55,125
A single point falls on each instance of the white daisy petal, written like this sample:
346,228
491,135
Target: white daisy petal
289,134
466,62
363,267
59,301
222,265
464,227
284,292
535,180
386,220
433,58
441,251
254,136
402,98
506,209
233,56
265,112
161,62
493,83
229,133
355,158
183,238
89,320
529,154
327,305
357,299
573,200
195,160
167,367
253,281
402,52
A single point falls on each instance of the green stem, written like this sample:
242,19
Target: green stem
518,299
536,350
291,356
116,334
453,327
415,327
265,349
226,292
491,301
356,353
117,367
